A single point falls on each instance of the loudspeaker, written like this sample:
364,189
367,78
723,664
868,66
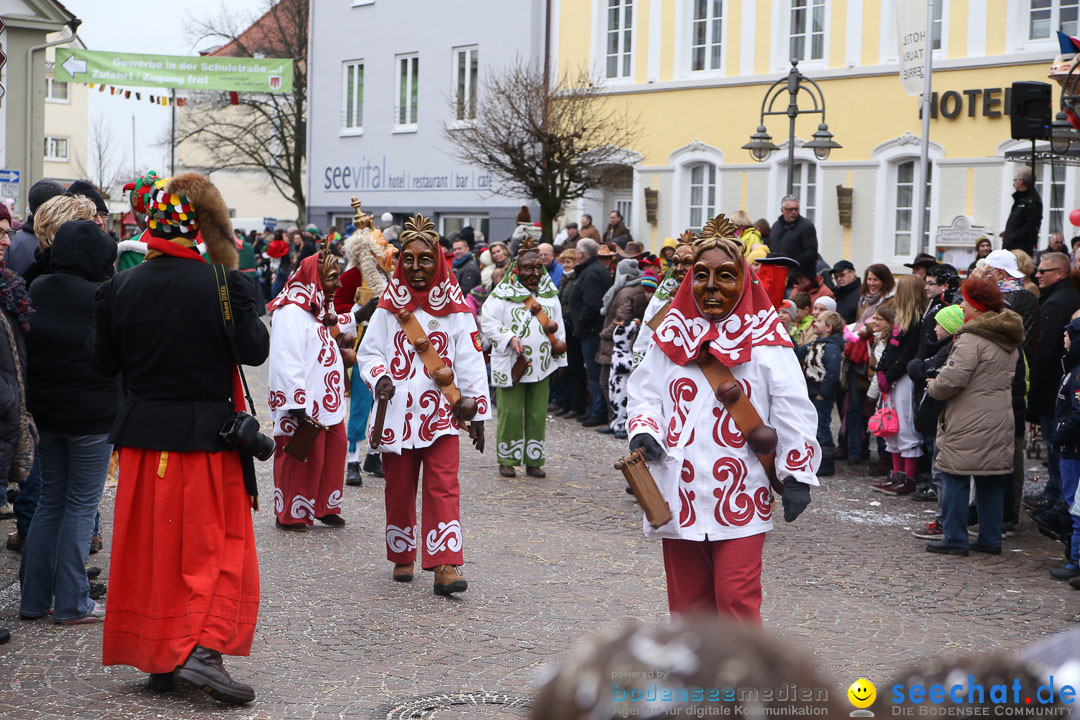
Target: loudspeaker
1030,110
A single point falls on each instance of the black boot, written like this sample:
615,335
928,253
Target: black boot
353,476
205,670
373,465
162,682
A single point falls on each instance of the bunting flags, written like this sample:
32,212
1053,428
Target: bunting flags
162,100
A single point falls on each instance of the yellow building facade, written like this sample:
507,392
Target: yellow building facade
695,72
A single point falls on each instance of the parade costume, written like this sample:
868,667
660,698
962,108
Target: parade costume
132,251
307,374
184,577
505,315
661,299
702,464
421,427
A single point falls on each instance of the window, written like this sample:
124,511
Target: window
352,95
804,187
56,148
620,35
454,223
467,64
807,29
702,194
906,201
408,68
55,90
706,36
936,32
1053,200
625,207
1046,16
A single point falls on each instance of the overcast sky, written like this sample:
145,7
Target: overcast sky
158,28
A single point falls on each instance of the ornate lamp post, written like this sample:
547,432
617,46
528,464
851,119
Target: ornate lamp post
761,144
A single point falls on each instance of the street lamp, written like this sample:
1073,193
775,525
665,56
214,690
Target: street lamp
1062,134
761,144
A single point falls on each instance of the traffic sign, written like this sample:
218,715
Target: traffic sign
270,223
9,184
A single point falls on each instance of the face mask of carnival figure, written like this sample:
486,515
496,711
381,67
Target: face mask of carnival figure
683,257
530,270
419,262
718,270
329,272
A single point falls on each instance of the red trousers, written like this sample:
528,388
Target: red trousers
304,491
715,576
183,570
441,539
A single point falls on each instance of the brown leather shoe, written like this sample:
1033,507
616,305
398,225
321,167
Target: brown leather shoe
204,670
403,572
449,579
332,520
535,472
507,471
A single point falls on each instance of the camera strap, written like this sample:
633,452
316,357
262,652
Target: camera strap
228,319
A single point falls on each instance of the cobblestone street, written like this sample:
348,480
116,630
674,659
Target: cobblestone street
548,561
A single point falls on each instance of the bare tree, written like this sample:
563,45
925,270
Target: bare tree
101,156
550,143
261,132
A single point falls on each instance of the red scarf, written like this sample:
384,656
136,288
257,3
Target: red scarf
753,322
303,289
442,297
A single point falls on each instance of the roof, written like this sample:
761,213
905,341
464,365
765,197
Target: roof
258,37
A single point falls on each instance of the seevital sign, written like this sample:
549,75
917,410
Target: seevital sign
178,72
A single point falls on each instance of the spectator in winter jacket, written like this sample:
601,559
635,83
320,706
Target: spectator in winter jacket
793,236
847,290
1067,440
617,232
466,270
983,246
1022,227
821,360
803,332
809,281
592,280
23,246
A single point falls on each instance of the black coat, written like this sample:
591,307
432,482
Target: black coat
159,324
1056,306
797,240
65,394
920,370
1022,227
899,351
9,390
1026,305
928,333
847,300
23,246
468,275
587,298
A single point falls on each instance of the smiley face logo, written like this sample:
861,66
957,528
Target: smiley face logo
862,693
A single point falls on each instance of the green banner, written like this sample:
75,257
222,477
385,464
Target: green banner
178,72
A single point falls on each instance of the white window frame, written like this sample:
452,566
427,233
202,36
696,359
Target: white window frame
808,31
889,155
887,50
475,220
52,143
1055,19
709,201
684,160
358,102
411,81
472,53
599,41
684,35
892,187
50,83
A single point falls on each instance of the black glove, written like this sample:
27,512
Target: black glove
796,497
648,444
365,311
384,388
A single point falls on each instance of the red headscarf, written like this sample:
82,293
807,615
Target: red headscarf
303,289
753,322
442,297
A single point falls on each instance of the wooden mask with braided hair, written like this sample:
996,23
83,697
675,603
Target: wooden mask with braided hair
719,269
419,252
683,257
329,271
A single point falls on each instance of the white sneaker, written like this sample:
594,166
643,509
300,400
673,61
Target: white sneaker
97,615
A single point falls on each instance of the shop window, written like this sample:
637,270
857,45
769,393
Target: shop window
707,35
702,194
352,97
467,69
449,224
56,91
56,149
905,208
807,30
618,39
1046,16
408,72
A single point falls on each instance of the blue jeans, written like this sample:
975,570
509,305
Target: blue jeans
53,570
989,499
824,427
1070,478
26,502
1052,490
597,402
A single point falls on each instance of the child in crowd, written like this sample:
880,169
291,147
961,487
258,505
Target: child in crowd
803,319
823,304
904,447
821,360
880,324
787,313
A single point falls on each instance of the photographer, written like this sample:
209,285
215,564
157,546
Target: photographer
184,586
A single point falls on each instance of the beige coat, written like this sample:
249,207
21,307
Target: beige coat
976,427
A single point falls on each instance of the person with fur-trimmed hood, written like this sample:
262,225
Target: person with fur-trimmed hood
184,574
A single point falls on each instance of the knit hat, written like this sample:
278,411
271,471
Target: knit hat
649,281
5,214
479,292
757,253
788,307
82,187
951,318
826,302
139,190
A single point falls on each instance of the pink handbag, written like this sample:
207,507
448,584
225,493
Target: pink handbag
885,422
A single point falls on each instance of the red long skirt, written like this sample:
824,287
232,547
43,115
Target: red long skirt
183,570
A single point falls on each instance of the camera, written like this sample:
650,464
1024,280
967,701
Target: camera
241,431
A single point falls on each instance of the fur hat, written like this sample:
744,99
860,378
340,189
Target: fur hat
188,205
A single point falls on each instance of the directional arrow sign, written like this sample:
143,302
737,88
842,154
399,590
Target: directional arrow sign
180,72
73,67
